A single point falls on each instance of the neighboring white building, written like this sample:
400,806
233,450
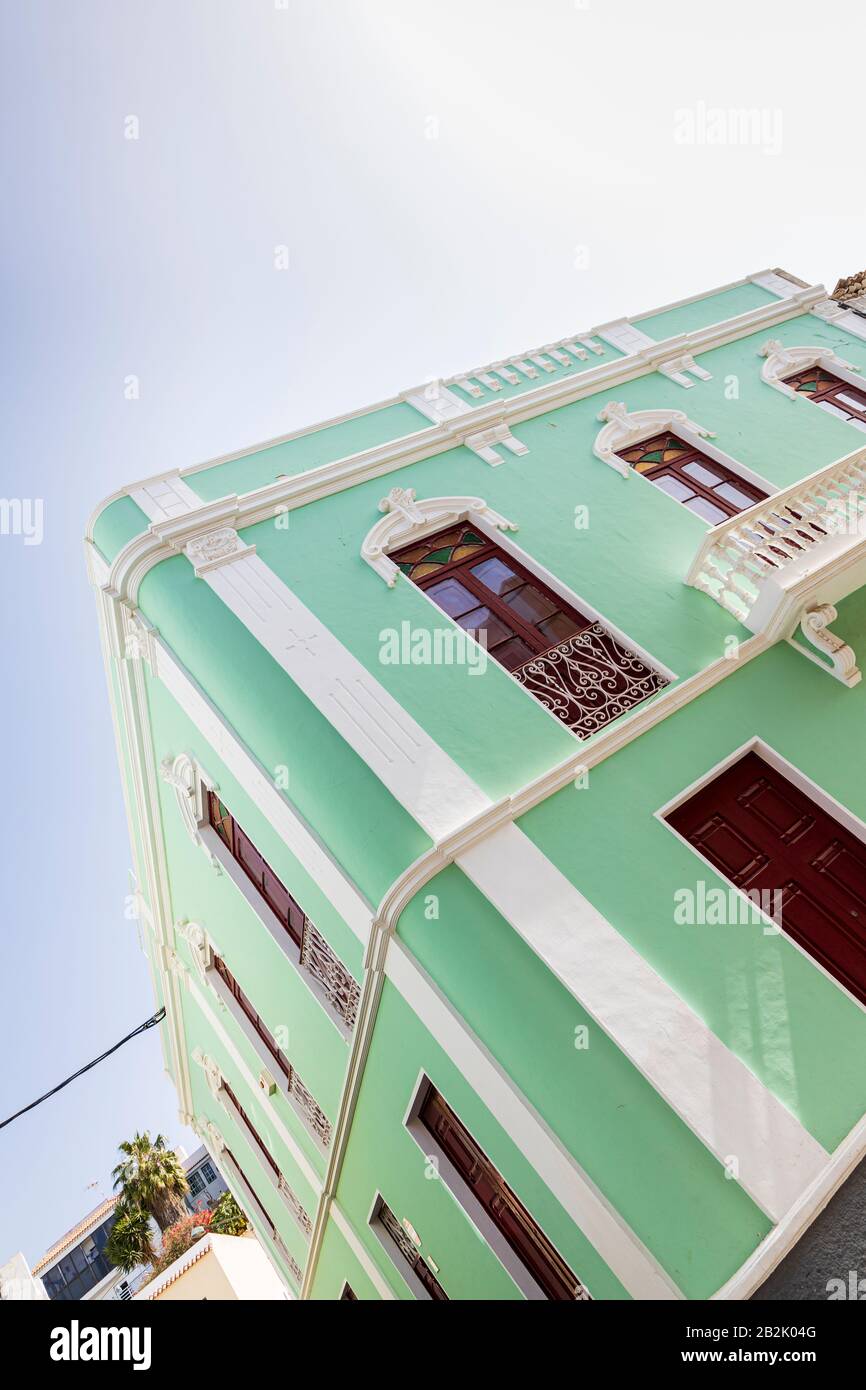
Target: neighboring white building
206,1184
17,1283
217,1267
76,1268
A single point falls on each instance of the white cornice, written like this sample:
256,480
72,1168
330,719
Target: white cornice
582,340
289,493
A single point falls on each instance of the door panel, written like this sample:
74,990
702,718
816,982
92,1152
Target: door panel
502,1205
761,831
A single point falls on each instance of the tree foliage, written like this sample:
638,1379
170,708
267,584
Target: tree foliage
130,1242
227,1218
151,1179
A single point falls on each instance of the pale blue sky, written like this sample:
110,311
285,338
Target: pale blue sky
454,181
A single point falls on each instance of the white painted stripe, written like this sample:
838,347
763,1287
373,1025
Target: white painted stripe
304,843
710,1088
417,772
635,1267
724,1103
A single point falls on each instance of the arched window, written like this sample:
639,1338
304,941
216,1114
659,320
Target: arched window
670,451
556,647
818,374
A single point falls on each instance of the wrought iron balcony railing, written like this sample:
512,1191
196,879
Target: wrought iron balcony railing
589,679
342,991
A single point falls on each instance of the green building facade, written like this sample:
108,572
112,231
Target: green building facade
512,950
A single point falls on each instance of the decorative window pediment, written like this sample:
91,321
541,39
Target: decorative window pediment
781,362
185,777
624,428
562,655
407,519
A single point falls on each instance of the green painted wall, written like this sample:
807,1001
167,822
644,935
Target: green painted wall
796,1029
328,783
337,1264
701,313
200,894
789,1023
383,1157
263,466
118,523
668,1187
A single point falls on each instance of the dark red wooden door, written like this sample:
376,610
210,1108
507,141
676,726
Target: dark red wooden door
519,1228
762,832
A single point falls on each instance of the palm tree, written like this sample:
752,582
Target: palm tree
151,1179
130,1241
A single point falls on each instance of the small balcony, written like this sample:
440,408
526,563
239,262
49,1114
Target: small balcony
589,679
787,560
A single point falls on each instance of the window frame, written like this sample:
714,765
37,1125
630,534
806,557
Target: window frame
266,1159
235,842
218,854
472,1208
538,573
284,1082
264,1217
839,384
407,1273
529,633
696,451
852,823
252,1016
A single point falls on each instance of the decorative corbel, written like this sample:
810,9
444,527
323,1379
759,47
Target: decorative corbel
183,775
482,441
815,626
676,369
214,548
212,1073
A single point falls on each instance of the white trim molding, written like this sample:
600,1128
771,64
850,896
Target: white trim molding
781,361
218,547
778,282
600,1223
148,549
624,428
165,497
409,519
711,1089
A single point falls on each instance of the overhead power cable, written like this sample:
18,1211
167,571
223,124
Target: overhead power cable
142,1028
